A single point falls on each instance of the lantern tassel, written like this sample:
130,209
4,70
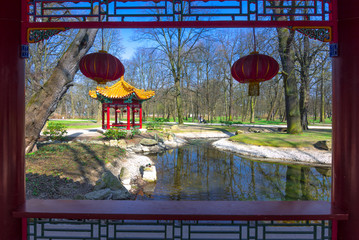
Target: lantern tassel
253,89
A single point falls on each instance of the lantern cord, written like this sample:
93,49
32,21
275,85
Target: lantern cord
254,40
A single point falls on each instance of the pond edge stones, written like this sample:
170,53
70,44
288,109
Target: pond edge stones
149,173
108,187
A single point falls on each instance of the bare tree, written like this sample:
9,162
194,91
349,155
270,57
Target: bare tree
44,101
176,44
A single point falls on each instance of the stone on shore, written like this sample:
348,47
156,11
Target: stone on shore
120,195
148,142
324,145
149,174
239,132
98,195
111,181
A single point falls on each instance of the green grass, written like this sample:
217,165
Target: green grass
72,160
307,139
265,122
73,124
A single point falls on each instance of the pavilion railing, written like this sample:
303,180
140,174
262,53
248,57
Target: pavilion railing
86,229
71,219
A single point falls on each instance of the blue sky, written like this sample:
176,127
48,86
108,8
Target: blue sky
127,43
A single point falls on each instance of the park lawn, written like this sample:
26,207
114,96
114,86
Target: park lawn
306,139
71,160
78,124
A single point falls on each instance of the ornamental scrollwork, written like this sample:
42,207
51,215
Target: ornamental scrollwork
36,35
323,34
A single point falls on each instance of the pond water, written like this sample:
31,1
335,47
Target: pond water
198,171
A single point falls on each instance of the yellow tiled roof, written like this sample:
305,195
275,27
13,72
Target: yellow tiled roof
121,90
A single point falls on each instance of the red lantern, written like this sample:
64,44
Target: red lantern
101,67
253,69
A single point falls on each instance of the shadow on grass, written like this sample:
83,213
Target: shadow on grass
41,186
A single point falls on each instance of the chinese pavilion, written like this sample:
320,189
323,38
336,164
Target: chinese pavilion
122,97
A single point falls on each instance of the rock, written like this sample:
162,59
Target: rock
158,138
98,195
111,181
121,194
122,143
99,185
170,137
155,149
118,143
238,132
124,173
125,177
282,129
324,145
79,197
148,142
137,148
96,142
175,127
149,174
258,130
131,144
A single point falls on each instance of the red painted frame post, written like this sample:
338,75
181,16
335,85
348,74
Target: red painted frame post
140,116
345,191
108,117
12,121
128,117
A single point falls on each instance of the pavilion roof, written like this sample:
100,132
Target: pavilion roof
121,90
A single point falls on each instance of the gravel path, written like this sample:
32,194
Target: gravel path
304,155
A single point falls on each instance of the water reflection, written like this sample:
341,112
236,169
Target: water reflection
199,172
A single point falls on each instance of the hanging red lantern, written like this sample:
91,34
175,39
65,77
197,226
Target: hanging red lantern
101,67
253,69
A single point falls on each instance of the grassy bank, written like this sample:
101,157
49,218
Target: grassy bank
306,139
71,160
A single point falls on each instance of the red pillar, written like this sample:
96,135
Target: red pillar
108,117
140,116
12,118
133,117
103,116
115,115
345,191
128,117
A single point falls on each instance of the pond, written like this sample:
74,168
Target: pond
197,171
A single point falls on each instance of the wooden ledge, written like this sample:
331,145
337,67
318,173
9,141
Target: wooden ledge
180,210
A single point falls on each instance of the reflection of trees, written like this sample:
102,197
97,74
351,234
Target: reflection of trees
203,173
293,183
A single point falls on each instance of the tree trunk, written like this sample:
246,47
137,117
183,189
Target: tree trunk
178,100
230,105
45,101
304,85
253,101
322,100
285,38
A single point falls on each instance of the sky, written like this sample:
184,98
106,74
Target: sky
129,45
